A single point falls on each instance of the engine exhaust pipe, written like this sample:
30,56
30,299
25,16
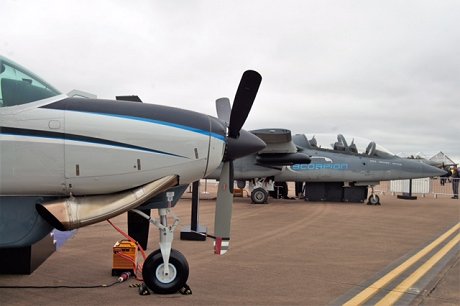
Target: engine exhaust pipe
75,212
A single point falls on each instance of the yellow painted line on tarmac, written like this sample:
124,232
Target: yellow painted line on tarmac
404,286
370,291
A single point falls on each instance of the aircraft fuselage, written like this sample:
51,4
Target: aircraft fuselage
341,167
62,145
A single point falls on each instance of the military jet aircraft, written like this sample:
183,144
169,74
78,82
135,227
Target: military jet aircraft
70,162
322,162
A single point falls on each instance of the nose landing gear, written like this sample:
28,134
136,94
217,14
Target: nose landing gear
373,198
165,271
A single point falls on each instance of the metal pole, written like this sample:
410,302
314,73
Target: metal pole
195,203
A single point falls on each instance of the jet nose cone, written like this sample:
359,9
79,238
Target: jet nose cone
247,143
431,171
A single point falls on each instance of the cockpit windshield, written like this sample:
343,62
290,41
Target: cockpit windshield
339,143
20,86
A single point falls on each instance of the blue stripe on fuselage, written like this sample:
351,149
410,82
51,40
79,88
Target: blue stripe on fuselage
174,125
19,132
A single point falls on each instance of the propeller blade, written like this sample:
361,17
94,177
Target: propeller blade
223,109
223,213
244,98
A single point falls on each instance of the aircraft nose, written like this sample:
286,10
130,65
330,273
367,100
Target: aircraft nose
431,171
247,143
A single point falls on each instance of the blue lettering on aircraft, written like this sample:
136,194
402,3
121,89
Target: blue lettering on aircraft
325,166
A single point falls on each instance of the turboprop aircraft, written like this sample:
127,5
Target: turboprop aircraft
346,168
70,162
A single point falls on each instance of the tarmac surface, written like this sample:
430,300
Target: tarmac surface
289,252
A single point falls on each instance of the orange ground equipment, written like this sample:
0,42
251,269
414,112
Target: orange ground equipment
124,257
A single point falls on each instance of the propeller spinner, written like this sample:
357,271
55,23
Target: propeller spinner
239,143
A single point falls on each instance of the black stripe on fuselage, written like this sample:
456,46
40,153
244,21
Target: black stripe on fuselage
159,113
79,138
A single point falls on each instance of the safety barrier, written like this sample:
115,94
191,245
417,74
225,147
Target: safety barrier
425,187
444,186
422,186
436,187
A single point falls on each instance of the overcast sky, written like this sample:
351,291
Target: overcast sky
385,70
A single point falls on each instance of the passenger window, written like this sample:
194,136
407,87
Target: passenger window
19,86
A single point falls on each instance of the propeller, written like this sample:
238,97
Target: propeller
244,98
239,143
223,109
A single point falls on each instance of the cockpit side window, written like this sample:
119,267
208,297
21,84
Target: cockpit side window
19,86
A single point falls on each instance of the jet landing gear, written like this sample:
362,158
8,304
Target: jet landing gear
259,189
165,271
259,196
373,198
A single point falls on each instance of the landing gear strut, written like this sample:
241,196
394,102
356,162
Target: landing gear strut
165,270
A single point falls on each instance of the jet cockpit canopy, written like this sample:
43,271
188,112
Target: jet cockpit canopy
20,86
340,143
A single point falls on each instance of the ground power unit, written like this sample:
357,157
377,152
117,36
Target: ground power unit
124,257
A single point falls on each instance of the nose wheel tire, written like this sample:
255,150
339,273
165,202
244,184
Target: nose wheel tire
373,200
157,281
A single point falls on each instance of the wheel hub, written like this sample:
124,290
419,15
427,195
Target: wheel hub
166,278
